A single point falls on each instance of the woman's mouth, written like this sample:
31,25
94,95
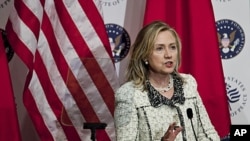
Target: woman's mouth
169,64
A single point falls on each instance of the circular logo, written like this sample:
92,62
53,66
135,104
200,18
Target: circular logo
119,40
236,93
8,50
231,38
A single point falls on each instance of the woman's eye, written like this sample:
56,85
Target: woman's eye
173,47
159,48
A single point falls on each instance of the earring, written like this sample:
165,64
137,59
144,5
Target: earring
146,62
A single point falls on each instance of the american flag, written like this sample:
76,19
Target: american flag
71,78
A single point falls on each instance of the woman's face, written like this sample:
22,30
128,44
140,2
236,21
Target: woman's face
163,58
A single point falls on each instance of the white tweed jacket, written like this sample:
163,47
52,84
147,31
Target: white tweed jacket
137,120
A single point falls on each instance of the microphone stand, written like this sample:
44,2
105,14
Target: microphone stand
93,126
190,116
193,130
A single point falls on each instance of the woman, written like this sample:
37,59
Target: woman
153,103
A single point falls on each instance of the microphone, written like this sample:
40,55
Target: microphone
190,116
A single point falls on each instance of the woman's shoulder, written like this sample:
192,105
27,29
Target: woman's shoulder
190,84
125,91
131,91
188,78
126,86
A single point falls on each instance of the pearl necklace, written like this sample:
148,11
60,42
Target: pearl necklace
170,85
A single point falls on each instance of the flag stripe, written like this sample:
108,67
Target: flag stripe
56,80
63,69
51,93
104,57
24,30
18,43
27,15
72,75
98,105
60,60
78,42
88,108
95,20
23,52
48,115
36,116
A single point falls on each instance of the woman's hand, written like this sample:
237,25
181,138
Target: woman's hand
172,132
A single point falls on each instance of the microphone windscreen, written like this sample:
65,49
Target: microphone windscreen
189,113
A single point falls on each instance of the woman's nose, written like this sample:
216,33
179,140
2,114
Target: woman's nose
167,53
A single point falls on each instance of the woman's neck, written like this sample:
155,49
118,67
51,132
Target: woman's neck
159,80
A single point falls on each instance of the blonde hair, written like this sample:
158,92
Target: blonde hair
143,46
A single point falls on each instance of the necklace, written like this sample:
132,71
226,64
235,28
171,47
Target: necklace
169,86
